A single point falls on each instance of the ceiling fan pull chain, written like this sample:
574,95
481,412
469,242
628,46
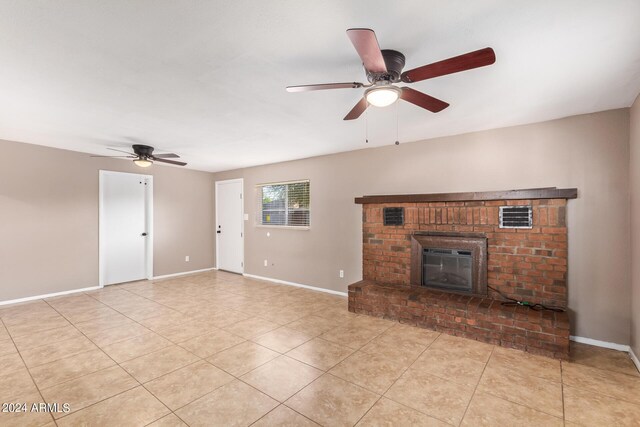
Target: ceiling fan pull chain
366,127
397,139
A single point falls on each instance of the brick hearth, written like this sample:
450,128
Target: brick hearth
482,319
524,264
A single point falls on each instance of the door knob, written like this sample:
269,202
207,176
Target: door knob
143,234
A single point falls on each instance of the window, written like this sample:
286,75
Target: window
284,204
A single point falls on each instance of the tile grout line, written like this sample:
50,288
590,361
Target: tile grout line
152,330
90,294
234,378
326,373
400,376
206,361
244,373
116,364
171,411
282,404
604,371
348,381
150,392
175,370
564,415
475,389
99,370
143,354
508,399
257,367
178,416
252,315
98,319
26,368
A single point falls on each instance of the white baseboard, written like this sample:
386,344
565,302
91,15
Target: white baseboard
634,359
298,285
183,273
54,294
598,343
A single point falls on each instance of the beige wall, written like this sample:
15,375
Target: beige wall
589,152
49,219
634,142
49,210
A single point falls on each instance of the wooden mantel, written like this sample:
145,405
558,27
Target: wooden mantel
524,194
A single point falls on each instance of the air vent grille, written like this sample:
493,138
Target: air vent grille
516,217
393,216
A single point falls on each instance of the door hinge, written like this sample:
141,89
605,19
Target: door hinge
241,235
241,195
242,264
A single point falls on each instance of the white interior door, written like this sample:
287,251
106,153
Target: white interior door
124,226
229,226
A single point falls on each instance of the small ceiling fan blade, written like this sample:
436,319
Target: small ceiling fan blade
166,156
172,162
423,100
114,157
122,151
468,61
323,86
357,110
366,44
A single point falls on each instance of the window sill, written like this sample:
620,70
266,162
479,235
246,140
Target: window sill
286,227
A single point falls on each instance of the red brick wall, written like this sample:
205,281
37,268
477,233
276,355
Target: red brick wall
540,332
526,264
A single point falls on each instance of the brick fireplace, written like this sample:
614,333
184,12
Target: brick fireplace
453,259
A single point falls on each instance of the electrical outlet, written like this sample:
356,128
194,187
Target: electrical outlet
186,259
266,263
342,274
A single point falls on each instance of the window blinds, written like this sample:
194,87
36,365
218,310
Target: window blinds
283,204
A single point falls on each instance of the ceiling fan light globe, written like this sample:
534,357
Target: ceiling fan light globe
382,96
143,163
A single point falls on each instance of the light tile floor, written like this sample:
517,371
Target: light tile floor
220,349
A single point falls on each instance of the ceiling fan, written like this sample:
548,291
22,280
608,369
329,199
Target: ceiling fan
144,157
384,68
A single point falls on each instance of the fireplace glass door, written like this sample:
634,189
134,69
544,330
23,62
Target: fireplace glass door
449,269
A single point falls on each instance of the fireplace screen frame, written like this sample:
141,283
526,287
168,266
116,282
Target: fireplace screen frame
473,242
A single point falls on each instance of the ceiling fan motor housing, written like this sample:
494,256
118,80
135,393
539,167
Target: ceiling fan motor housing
394,61
143,150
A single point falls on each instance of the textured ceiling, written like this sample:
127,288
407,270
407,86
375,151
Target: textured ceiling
206,79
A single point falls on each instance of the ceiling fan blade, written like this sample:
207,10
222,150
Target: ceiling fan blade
172,162
307,88
366,44
166,156
423,100
468,61
114,157
122,151
357,110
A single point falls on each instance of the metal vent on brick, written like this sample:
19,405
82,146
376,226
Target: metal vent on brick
516,217
393,216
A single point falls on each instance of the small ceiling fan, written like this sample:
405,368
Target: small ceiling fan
144,157
384,67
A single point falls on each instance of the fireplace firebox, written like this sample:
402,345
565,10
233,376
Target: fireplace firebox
447,269
450,262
